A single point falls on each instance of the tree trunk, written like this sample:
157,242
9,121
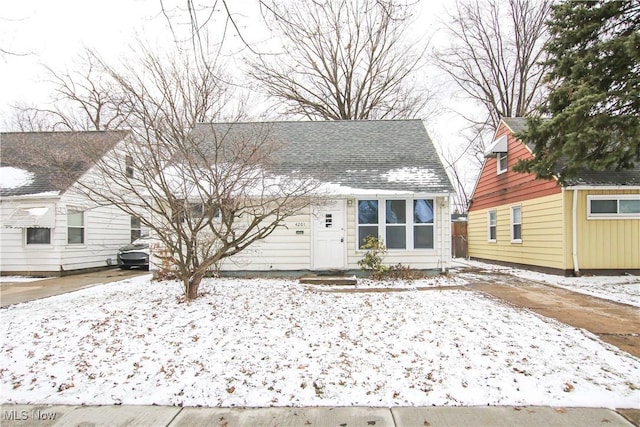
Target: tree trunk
194,285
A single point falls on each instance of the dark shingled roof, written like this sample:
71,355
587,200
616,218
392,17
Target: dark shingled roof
630,177
516,124
395,155
55,159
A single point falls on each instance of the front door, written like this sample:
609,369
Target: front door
329,235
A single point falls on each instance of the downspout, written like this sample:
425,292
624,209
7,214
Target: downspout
574,224
445,209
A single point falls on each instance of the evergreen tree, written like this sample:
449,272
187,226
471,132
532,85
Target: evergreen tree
590,119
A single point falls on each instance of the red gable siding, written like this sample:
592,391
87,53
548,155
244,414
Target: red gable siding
509,187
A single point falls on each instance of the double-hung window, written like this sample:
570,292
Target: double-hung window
516,224
423,224
136,228
492,221
75,227
396,224
403,224
367,220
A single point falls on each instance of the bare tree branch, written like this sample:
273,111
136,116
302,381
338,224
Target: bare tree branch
343,60
496,56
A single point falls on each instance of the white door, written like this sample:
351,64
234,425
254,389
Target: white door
329,224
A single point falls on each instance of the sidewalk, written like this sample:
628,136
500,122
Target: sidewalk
113,416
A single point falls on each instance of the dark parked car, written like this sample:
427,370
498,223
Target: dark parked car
135,254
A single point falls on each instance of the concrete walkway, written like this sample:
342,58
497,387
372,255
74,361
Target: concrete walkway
114,416
17,292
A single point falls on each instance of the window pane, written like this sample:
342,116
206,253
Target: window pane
517,215
492,233
517,232
37,236
135,222
492,218
396,237
195,210
396,212
629,206
368,212
423,211
423,237
75,235
502,161
135,234
366,231
75,219
604,206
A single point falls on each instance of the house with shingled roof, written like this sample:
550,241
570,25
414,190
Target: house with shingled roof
379,178
589,225
46,228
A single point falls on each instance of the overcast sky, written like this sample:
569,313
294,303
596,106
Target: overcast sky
55,32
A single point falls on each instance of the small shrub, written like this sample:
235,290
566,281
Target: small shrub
401,272
372,260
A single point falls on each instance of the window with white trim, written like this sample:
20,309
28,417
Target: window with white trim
492,222
501,161
75,227
396,224
368,219
38,236
614,207
129,168
516,224
136,228
423,218
403,224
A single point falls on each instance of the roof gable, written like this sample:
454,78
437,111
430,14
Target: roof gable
629,177
393,155
39,162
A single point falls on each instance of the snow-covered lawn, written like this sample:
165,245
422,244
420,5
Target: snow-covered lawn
623,288
280,343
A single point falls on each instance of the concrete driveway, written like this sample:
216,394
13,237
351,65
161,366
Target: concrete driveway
17,292
612,322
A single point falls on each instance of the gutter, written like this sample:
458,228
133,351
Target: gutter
574,224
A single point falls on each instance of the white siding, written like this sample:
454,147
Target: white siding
16,255
106,229
287,248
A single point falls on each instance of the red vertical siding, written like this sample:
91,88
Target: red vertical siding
509,187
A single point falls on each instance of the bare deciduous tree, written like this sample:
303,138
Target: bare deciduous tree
495,58
82,100
343,59
205,194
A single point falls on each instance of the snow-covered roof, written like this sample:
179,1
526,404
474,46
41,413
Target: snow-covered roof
33,163
388,155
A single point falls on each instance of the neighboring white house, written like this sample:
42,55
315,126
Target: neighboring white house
46,227
382,178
